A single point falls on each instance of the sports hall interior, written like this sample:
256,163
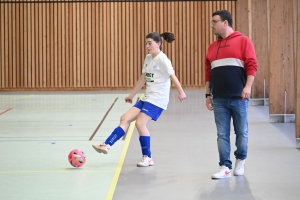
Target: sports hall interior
66,67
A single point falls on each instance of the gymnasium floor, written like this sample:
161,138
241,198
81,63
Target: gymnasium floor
39,129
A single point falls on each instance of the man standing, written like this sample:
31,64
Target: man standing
231,66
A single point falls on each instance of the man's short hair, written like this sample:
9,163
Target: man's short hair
224,15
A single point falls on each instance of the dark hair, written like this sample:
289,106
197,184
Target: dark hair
169,37
224,15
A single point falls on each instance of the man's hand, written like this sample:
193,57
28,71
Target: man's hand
209,103
246,92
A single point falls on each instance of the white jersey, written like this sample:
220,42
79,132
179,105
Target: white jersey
158,72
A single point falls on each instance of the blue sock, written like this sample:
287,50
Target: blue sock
145,145
115,136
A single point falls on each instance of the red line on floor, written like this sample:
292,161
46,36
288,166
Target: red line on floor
5,111
103,119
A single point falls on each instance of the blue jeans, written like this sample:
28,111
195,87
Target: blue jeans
226,108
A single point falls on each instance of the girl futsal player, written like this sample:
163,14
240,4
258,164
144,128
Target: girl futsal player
157,72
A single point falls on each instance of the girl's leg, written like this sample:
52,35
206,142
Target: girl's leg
120,131
141,125
125,121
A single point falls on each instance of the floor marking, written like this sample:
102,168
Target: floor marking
5,111
103,119
14,98
54,171
120,164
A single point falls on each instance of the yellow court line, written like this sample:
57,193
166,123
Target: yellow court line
53,171
120,164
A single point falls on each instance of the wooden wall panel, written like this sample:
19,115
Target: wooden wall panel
99,45
260,35
297,82
282,62
242,16
253,22
5,46
2,43
271,26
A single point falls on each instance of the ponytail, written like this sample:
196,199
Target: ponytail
169,37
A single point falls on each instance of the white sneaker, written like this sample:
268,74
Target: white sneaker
145,162
224,172
101,148
239,167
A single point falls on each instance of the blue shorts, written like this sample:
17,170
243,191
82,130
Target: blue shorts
149,109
